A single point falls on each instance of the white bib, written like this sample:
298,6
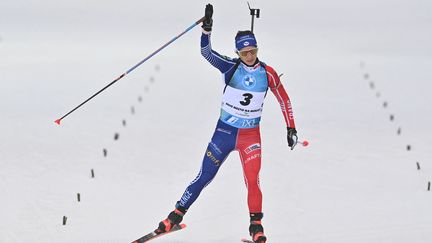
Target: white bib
242,103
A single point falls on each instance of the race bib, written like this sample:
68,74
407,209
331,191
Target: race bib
243,98
241,103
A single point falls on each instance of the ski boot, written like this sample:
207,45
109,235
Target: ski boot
174,218
255,229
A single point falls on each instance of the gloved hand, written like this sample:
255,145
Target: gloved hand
292,137
208,21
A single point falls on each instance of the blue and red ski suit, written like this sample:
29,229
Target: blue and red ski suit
238,125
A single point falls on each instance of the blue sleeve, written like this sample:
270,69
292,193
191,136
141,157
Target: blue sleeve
223,63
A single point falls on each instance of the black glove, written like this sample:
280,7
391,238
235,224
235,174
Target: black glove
208,21
292,137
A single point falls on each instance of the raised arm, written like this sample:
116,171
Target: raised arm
220,62
223,63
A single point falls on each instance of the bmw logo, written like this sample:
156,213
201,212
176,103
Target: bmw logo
249,81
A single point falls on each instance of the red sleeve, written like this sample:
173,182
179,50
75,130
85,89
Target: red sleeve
278,90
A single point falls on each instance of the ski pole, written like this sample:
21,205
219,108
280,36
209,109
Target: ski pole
253,12
132,68
304,143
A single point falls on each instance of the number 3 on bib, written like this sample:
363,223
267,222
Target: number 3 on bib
247,99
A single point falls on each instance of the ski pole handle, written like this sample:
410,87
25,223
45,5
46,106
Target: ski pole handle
200,20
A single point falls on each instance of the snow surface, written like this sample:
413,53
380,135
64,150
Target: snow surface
356,182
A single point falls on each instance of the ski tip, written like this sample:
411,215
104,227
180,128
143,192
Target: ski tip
305,143
57,121
245,240
182,226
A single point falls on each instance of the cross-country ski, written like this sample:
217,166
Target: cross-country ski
155,234
246,240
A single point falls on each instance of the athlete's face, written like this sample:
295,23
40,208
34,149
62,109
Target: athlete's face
248,54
